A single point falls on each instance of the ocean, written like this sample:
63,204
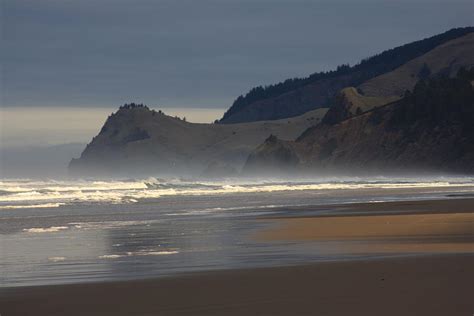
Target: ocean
70,231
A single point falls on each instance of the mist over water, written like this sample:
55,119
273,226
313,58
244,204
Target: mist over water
39,142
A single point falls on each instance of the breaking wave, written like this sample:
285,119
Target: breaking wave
44,205
140,253
56,259
88,226
52,229
17,194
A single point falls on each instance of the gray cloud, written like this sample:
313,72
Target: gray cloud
194,53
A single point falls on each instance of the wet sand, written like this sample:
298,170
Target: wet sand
430,226
377,234
433,285
418,284
370,227
445,206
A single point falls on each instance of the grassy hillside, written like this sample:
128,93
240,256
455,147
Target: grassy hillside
430,129
137,140
444,60
349,102
296,96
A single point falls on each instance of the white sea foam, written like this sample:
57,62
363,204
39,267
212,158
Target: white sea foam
111,256
109,224
158,253
42,194
233,208
44,205
56,259
140,253
38,230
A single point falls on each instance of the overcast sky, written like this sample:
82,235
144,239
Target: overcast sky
196,53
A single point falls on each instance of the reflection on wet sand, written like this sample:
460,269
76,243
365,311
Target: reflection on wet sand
422,226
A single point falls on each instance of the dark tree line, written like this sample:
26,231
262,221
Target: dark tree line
364,70
128,106
439,102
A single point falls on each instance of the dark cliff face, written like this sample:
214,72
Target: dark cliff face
273,154
297,96
430,129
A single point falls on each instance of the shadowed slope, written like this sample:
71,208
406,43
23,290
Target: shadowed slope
444,60
296,96
430,129
142,141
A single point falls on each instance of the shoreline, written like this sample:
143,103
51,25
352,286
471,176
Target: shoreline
413,285
421,206
420,259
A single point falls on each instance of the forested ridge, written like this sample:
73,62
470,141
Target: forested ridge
363,71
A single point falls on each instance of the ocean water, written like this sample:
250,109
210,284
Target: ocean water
72,231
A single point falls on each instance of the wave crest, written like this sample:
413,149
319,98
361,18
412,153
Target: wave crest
52,193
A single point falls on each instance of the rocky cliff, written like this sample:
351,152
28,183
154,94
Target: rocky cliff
430,129
369,122
138,141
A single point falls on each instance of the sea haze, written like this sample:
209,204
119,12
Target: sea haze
39,142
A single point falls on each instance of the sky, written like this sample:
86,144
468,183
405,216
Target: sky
195,54
32,126
67,64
